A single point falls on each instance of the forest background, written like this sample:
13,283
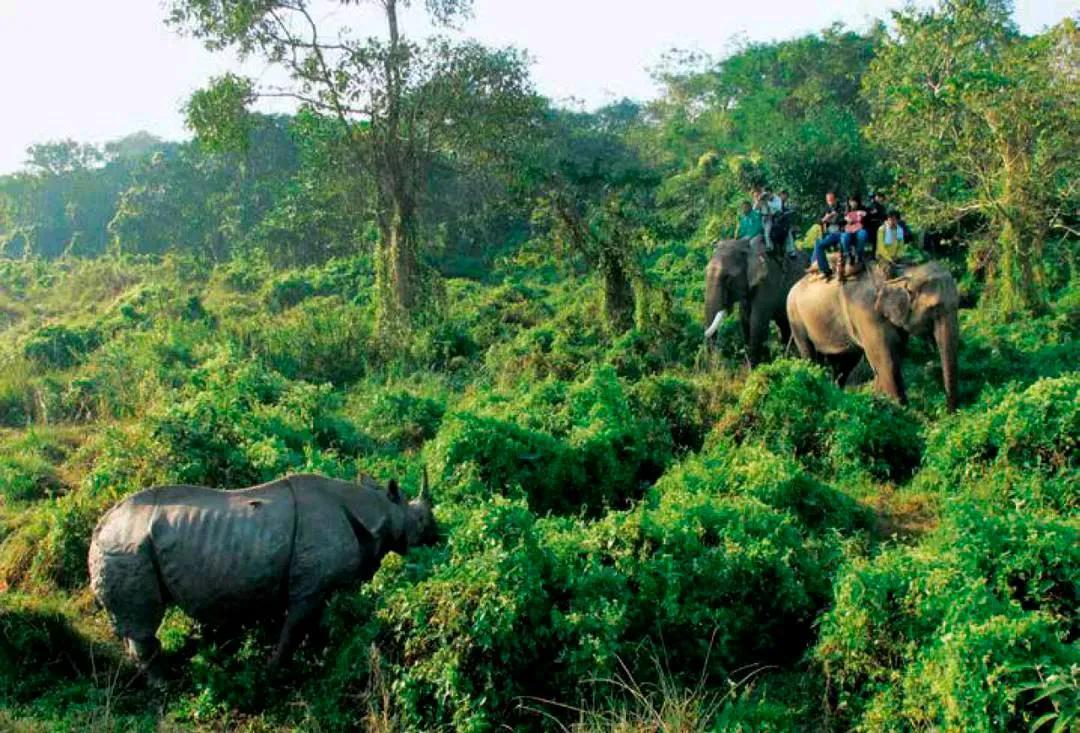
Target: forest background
431,266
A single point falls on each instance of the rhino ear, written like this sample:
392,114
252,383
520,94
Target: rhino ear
425,487
394,491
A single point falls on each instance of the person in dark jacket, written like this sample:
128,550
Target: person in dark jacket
875,215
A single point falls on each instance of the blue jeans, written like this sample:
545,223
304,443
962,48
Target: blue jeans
825,243
854,252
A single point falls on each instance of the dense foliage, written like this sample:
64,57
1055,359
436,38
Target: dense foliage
636,533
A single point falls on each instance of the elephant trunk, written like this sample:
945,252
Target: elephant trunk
714,298
947,335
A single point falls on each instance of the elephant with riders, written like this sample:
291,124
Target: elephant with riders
868,310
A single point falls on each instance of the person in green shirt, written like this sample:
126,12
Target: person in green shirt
891,238
750,225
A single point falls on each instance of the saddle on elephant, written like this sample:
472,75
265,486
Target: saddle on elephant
840,265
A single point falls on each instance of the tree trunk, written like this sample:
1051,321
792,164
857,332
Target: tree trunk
1017,280
397,267
618,292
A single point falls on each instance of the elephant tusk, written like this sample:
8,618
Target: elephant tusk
715,324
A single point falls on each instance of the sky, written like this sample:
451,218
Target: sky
96,71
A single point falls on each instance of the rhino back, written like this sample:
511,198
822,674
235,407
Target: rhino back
224,552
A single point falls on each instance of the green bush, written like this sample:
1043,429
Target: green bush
793,408
506,458
16,396
779,482
59,346
581,446
288,290
717,582
321,340
239,424
26,467
676,402
1013,448
1022,350
399,419
951,634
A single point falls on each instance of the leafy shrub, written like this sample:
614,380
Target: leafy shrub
247,271
1016,447
445,345
26,468
1029,563
506,458
949,634
320,340
238,424
60,346
399,419
793,408
676,402
581,446
287,290
494,315
776,481
716,581
1022,350
50,549
783,403
566,346
16,394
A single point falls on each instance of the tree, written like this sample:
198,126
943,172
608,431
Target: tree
400,104
982,127
791,110
593,193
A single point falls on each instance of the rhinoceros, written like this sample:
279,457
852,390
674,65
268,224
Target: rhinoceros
278,548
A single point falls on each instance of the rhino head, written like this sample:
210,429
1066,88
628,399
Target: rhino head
420,527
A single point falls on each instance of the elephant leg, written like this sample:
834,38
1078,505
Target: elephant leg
785,330
759,331
884,354
746,323
802,340
843,365
297,619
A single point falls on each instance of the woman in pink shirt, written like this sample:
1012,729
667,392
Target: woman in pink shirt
853,240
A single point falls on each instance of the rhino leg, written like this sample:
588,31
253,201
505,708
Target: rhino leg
298,618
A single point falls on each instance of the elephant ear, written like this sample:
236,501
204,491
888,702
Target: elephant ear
894,302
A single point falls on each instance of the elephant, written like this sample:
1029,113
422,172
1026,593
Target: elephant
278,548
730,279
868,314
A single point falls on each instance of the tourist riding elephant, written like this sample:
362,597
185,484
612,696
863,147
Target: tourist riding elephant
735,275
839,322
276,549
